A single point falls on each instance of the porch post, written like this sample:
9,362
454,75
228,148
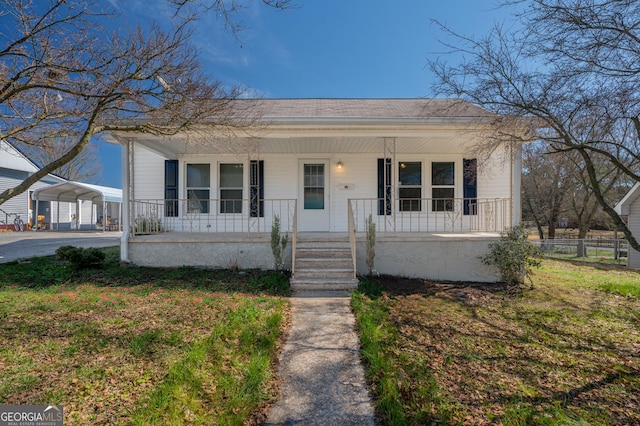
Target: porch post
390,154
124,241
516,175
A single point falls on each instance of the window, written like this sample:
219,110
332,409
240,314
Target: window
198,182
231,183
442,186
314,186
410,190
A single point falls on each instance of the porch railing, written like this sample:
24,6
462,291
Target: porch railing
432,214
212,215
352,238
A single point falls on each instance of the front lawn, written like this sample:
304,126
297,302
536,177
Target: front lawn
139,345
566,351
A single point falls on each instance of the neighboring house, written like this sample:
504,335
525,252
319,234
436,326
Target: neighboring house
56,210
630,206
323,167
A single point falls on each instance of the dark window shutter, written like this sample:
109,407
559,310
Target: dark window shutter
384,187
470,187
256,188
171,188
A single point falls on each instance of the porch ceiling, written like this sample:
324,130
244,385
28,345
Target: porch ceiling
434,144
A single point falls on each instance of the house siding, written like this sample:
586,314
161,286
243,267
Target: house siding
634,227
356,180
148,175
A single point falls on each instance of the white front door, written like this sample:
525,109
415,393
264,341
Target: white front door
314,195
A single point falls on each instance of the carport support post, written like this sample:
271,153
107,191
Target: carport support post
104,212
37,201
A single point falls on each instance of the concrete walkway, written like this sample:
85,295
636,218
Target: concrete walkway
322,377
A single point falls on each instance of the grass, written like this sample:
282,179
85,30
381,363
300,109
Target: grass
564,352
126,345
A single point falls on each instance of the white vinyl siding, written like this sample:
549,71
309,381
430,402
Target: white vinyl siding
634,226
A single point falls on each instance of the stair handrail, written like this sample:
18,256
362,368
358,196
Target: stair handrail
294,238
352,237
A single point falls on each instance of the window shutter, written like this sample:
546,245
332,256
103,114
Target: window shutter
470,187
256,188
171,188
384,187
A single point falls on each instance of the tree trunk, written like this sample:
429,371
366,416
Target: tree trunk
582,234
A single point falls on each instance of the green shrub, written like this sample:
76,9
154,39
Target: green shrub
278,243
371,244
81,258
513,255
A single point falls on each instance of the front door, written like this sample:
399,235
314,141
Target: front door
314,195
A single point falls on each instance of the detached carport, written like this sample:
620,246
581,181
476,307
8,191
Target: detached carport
73,192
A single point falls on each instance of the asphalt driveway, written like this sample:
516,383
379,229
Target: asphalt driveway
23,245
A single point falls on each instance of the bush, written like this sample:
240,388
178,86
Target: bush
81,258
514,255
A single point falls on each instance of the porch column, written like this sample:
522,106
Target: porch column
124,241
516,175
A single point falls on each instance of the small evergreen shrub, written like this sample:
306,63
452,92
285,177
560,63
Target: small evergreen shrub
513,255
278,243
81,258
371,244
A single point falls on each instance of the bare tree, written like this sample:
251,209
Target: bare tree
63,75
85,167
573,68
544,188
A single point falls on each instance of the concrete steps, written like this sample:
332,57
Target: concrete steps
323,265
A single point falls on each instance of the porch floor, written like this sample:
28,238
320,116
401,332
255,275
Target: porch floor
229,237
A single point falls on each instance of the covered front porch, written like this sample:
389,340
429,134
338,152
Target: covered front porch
445,245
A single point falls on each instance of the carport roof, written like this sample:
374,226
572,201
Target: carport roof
72,191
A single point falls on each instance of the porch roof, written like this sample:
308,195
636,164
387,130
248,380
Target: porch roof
308,126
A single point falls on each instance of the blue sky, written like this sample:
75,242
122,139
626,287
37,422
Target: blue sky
323,48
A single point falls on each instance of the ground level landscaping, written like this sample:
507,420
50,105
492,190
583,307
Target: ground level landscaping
127,345
566,351
140,346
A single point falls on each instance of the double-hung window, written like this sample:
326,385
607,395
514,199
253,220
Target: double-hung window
231,185
198,182
410,190
442,186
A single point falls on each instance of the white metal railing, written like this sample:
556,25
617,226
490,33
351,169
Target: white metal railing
432,215
294,238
212,215
352,237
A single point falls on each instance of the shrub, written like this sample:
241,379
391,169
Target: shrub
513,255
278,243
371,243
81,258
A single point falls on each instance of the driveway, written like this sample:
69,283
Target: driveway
21,245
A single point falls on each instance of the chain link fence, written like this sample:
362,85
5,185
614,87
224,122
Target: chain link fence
607,250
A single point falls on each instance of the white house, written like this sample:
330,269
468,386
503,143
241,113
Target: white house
323,167
630,206
60,204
